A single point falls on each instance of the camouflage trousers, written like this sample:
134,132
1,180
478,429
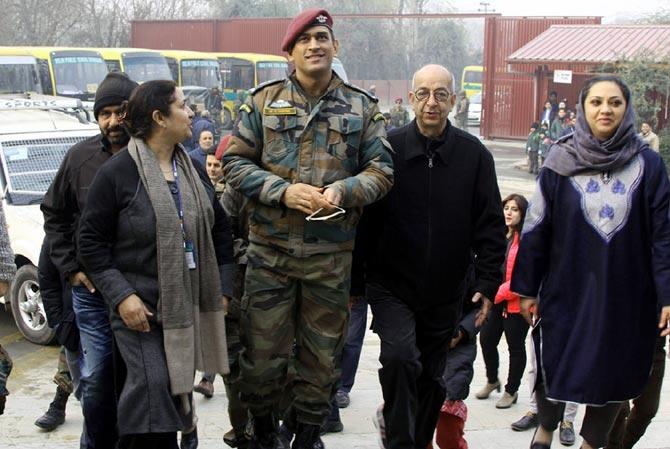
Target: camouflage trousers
237,410
291,300
62,378
5,369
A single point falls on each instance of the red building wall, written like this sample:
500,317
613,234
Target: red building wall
510,98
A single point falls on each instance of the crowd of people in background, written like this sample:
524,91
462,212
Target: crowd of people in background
255,256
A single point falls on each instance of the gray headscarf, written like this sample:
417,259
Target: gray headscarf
581,151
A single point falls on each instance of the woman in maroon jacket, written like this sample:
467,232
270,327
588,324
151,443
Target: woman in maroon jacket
505,315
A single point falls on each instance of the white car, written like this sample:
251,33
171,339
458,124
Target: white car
35,133
475,110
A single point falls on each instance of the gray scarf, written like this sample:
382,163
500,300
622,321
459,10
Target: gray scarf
581,152
190,305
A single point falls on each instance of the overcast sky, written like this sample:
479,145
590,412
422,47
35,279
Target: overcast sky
606,8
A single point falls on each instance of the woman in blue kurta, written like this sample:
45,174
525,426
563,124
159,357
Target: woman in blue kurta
594,264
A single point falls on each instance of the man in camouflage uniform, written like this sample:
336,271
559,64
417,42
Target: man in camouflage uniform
462,108
308,144
399,114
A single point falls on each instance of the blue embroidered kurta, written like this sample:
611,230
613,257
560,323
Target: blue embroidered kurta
595,251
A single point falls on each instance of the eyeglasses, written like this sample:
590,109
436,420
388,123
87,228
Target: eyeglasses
440,95
316,216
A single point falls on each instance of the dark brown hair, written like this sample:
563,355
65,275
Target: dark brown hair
520,201
151,96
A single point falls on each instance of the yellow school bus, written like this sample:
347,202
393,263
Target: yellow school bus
18,71
243,71
471,81
193,68
139,64
70,72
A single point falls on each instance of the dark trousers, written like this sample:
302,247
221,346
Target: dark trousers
515,329
98,398
631,424
414,348
598,421
149,441
351,354
532,162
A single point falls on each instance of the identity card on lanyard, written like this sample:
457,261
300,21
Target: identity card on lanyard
189,249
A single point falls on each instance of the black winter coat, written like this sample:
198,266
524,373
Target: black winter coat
65,200
444,207
56,296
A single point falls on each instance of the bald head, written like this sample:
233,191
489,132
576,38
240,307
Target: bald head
433,72
432,98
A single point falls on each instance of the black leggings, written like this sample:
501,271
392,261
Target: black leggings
598,421
515,329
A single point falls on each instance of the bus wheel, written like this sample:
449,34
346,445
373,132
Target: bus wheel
227,120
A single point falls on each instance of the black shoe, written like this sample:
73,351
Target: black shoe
342,399
265,433
284,436
55,415
331,426
528,421
566,434
236,439
534,445
189,440
307,436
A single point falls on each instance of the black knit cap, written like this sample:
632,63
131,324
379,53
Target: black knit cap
113,90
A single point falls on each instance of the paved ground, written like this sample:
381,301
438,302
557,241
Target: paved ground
487,427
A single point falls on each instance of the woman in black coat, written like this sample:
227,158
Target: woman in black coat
158,246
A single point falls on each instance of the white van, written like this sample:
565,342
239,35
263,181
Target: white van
35,133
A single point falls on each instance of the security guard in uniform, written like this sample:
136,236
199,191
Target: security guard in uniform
309,152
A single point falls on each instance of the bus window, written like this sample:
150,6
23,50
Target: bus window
174,68
45,76
471,81
473,77
200,72
237,73
271,70
146,68
78,75
18,74
112,65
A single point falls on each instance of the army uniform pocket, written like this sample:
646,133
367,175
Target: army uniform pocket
280,136
344,136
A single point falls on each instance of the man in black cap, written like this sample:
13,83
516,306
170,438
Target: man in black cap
62,207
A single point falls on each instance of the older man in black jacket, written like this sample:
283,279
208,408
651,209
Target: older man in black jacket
418,244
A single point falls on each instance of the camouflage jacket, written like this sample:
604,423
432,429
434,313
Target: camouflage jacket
399,116
279,139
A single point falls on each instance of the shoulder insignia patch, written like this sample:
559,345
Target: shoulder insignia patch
264,85
361,90
377,117
246,108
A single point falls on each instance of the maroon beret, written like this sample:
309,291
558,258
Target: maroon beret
306,19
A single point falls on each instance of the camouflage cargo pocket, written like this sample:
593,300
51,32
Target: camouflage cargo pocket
344,136
280,137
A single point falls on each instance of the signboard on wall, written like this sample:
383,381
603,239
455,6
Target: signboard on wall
563,76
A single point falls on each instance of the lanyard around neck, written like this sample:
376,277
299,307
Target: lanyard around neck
180,209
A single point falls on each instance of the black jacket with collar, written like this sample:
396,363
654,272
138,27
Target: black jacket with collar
419,240
64,202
